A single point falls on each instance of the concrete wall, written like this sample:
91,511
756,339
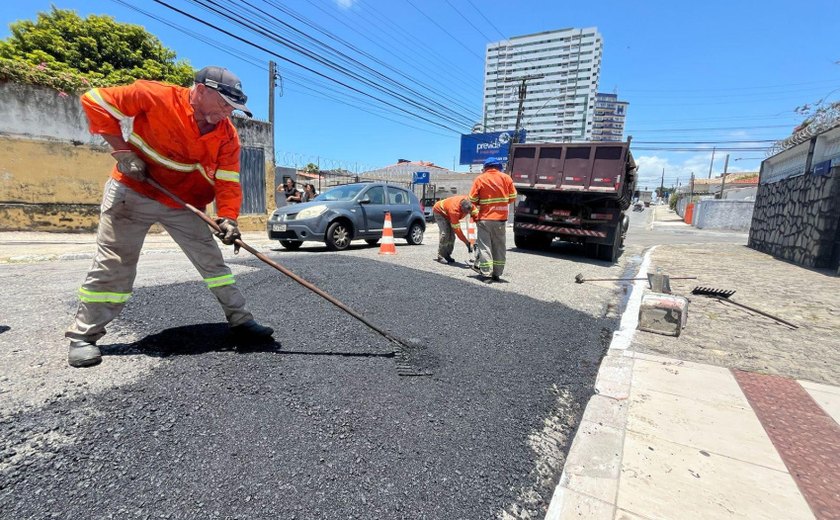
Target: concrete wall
797,219
735,215
52,170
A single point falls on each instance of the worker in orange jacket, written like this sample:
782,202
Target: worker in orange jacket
492,192
182,139
448,213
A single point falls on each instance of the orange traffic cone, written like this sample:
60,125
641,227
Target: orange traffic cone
386,245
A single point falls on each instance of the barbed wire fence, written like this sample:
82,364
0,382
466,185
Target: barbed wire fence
823,119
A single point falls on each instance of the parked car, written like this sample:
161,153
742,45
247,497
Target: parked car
349,212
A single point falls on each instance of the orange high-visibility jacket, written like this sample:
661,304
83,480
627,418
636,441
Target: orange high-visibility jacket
197,168
450,208
492,192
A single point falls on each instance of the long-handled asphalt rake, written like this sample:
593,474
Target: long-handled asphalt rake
722,295
401,348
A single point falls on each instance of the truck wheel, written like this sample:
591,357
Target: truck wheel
521,241
610,253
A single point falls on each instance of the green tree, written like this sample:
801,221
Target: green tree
312,168
98,48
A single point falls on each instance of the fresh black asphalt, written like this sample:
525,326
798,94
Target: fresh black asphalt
322,426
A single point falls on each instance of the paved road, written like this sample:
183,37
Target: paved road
176,424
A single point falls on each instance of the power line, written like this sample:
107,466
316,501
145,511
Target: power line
261,65
476,9
238,19
439,26
368,55
486,38
304,67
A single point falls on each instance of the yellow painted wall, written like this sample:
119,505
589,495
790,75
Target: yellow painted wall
56,186
52,172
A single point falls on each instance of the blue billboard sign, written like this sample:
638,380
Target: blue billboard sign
420,178
475,148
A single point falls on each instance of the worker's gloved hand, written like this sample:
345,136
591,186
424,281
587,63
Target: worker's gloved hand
230,231
470,248
130,164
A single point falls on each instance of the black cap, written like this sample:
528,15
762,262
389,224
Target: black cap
225,83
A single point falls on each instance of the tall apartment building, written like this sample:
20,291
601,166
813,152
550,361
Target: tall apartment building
560,105
608,124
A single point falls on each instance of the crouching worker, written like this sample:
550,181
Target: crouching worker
448,213
183,140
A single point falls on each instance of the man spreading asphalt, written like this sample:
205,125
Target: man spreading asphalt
492,192
182,139
448,213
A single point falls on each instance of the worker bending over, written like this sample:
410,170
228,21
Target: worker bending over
182,139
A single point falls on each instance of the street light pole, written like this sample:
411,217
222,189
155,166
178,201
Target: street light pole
712,163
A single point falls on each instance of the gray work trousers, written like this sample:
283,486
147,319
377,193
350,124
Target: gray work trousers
124,221
490,244
447,236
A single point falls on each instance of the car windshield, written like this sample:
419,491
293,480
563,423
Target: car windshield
340,193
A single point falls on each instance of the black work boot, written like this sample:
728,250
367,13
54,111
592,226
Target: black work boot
251,331
83,354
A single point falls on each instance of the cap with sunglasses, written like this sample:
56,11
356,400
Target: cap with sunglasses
225,83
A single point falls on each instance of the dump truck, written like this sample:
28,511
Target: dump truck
577,192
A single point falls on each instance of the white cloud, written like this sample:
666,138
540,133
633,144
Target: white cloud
345,4
679,166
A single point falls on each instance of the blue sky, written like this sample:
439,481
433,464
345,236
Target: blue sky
696,72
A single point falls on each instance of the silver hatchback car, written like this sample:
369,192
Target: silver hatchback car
349,212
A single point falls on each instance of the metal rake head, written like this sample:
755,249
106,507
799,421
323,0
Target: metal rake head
709,291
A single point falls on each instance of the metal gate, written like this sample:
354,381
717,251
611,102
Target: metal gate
252,180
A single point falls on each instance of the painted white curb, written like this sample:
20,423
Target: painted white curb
612,386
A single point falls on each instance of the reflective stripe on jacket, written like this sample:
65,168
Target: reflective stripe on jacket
492,192
197,168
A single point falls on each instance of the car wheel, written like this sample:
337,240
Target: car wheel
291,245
338,236
372,241
415,234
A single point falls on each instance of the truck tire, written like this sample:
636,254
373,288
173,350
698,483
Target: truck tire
532,240
610,253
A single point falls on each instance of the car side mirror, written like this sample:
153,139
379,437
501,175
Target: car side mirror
365,200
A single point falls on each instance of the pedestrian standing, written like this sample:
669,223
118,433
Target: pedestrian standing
290,193
492,192
309,193
448,213
182,139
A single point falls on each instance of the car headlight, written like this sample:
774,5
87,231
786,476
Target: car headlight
312,212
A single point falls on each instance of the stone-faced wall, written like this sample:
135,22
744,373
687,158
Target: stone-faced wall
797,218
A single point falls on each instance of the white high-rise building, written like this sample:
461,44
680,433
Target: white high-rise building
559,106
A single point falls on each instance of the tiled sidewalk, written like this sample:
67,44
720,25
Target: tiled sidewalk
684,440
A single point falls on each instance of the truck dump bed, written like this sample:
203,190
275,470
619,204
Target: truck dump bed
600,167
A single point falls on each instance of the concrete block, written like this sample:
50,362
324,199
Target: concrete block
663,313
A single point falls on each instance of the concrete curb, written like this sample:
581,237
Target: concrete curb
588,486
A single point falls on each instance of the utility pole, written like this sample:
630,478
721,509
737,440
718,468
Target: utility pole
711,164
272,77
523,92
662,185
723,182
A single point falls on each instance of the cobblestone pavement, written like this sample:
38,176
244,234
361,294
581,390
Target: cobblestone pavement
723,334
